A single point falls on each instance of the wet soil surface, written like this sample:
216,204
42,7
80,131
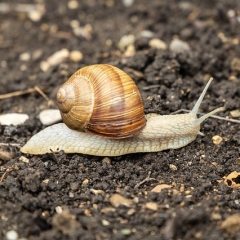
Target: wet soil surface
60,196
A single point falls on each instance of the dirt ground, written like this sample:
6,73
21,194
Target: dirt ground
59,196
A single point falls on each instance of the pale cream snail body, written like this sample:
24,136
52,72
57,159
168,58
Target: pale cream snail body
103,115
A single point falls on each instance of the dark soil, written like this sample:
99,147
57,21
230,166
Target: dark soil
33,193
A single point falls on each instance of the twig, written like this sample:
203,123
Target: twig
147,179
29,90
10,144
49,101
6,172
150,87
17,93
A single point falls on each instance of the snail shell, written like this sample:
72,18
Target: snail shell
102,99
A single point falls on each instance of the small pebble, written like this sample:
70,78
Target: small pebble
36,14
147,34
71,194
231,224
182,188
152,206
130,51
58,57
235,41
87,212
72,4
3,64
216,216
173,167
107,210
96,191
25,56
5,155
160,187
105,222
186,6
13,118
157,43
126,231
131,211
46,181
198,235
50,116
187,192
74,24
75,56
125,41
109,42
84,32
24,159
106,160
235,64
116,200
11,235
178,45
127,3
217,139
59,209
235,113
44,65
85,182
231,13
55,59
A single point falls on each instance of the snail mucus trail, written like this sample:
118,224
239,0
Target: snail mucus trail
160,132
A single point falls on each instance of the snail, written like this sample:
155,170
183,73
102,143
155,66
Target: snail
104,116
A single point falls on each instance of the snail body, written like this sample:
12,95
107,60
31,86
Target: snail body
59,137
159,133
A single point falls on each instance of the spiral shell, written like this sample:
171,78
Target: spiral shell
102,99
